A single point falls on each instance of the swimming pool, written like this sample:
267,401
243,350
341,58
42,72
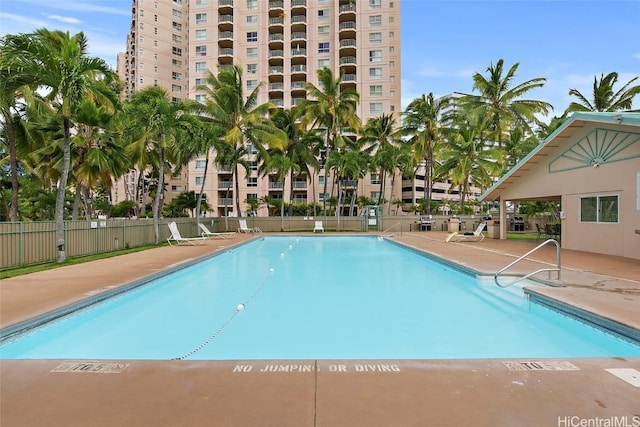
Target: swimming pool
317,298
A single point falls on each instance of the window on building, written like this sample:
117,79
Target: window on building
251,148
176,13
375,108
375,3
253,165
323,196
252,52
176,88
252,19
252,181
176,188
323,14
252,36
201,164
375,38
176,51
375,90
325,62
375,178
252,196
176,63
323,30
252,68
155,31
177,26
252,84
252,4
392,49
201,67
178,2
323,47
155,43
375,20
392,34
375,195
375,55
176,38
375,73
199,181
201,50
392,78
599,209
176,76
155,69
201,34
201,18
200,3
201,99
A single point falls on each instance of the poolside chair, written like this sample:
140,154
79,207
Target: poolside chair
244,229
177,238
318,227
207,233
468,236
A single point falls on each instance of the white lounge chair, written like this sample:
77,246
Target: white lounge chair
177,238
207,233
476,236
318,227
244,229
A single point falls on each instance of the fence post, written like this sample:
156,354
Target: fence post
20,243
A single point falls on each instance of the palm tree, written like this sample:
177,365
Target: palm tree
158,124
244,121
604,98
466,160
281,165
421,124
333,108
299,146
381,133
59,64
500,100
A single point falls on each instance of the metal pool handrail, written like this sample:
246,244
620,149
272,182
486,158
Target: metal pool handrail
387,234
495,276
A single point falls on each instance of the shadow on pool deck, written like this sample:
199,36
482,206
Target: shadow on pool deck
491,392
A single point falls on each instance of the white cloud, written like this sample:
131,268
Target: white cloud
13,24
65,19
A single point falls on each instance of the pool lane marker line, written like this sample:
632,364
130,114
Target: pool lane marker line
240,307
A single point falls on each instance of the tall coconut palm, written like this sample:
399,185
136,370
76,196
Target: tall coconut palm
604,98
279,164
157,122
244,120
381,133
59,64
500,99
422,126
466,159
299,146
333,108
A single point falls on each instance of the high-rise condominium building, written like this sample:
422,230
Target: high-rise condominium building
280,45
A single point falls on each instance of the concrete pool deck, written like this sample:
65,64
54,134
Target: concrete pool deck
489,392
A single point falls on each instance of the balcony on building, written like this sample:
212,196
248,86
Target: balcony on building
349,80
297,4
347,29
225,6
347,9
276,5
299,19
225,201
299,69
276,21
299,22
225,35
275,185
225,51
276,57
297,100
299,36
223,185
276,40
348,60
278,102
276,70
276,87
225,23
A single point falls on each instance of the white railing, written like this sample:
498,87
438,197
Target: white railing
526,276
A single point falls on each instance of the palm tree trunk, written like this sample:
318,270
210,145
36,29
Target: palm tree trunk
62,187
159,191
76,203
237,193
393,181
13,159
199,202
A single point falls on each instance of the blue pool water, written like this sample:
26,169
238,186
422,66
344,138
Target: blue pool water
317,298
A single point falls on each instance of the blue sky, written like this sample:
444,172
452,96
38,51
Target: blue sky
444,42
